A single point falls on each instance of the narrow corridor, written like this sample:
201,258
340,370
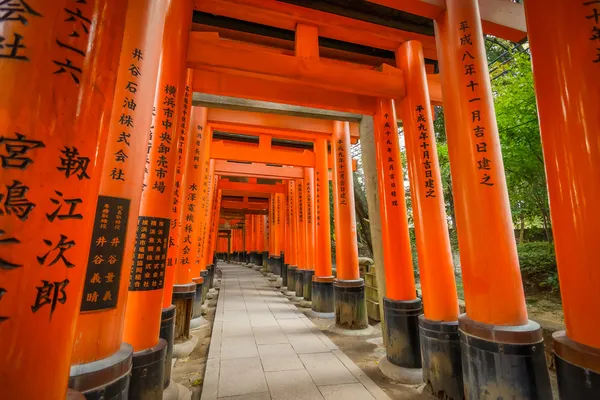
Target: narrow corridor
263,347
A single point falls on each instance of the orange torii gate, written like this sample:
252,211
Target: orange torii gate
64,286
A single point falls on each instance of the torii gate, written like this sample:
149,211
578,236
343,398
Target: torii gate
86,86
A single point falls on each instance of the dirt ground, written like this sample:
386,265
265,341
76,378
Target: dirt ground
189,371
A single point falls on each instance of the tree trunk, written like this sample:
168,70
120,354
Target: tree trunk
546,227
363,219
522,231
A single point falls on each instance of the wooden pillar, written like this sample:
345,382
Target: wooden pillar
99,348
322,281
54,118
302,243
184,291
401,306
177,197
311,245
294,257
214,232
349,287
565,48
148,268
492,280
431,229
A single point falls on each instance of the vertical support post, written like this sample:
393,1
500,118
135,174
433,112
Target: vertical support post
401,306
492,279
301,229
197,138
309,194
322,281
100,356
52,148
431,231
148,277
215,233
565,48
349,287
293,260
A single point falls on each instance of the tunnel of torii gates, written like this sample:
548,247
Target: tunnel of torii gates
141,138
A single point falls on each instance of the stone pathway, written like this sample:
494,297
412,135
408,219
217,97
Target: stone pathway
262,347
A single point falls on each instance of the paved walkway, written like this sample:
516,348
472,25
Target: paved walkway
262,347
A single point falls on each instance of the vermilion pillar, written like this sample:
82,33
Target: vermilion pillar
148,268
301,230
431,230
322,285
293,259
349,287
214,233
98,349
311,245
200,272
401,306
177,197
491,276
198,137
565,48
52,146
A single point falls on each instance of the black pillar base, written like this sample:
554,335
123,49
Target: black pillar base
265,257
148,373
577,368
350,304
284,275
183,299
167,332
507,361
210,268
291,277
441,357
402,322
104,379
322,294
205,286
276,265
299,283
307,282
197,310
252,258
258,258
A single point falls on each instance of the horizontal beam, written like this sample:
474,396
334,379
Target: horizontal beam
249,188
207,51
222,83
219,84
267,107
501,18
288,16
263,153
244,205
257,170
276,123
242,211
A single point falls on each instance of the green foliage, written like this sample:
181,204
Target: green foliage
538,266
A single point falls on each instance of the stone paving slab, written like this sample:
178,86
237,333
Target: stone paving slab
262,347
